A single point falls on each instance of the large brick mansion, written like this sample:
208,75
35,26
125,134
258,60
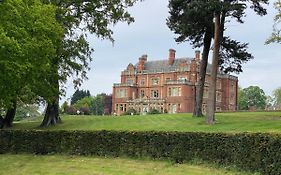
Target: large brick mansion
169,86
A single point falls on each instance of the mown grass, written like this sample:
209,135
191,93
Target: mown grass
225,122
79,165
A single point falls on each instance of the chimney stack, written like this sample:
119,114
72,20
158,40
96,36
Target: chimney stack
142,60
172,55
197,55
144,57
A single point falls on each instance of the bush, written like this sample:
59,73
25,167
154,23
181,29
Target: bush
71,110
248,151
131,111
154,111
85,110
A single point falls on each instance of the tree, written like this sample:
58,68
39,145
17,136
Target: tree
242,100
252,98
80,18
269,103
64,107
277,98
222,10
84,105
27,39
275,36
210,119
78,95
193,21
99,104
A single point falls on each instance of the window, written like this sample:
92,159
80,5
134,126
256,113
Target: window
154,81
218,109
142,82
142,94
218,84
168,80
154,94
218,96
121,93
232,87
183,67
207,80
232,99
206,93
174,91
130,81
204,108
182,78
121,107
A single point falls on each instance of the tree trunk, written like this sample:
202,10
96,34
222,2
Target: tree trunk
10,115
51,116
197,112
1,122
212,90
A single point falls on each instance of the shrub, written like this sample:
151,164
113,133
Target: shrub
154,111
85,110
248,151
131,111
71,110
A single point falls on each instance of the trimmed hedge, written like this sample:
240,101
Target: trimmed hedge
249,151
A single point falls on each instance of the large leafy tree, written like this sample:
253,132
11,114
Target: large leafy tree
193,22
80,18
252,97
28,37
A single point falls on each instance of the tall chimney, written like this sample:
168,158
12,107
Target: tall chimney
172,55
144,57
197,55
142,60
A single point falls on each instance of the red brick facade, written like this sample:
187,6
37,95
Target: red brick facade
169,86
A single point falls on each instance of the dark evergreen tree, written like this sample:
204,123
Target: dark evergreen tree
193,22
224,9
78,95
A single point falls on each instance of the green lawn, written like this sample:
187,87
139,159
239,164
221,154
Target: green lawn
79,165
225,122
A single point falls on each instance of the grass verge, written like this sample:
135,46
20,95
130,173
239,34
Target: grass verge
79,165
225,122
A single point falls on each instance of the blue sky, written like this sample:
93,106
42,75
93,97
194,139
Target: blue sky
150,35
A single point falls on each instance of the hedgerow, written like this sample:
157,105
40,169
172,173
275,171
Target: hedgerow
248,151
